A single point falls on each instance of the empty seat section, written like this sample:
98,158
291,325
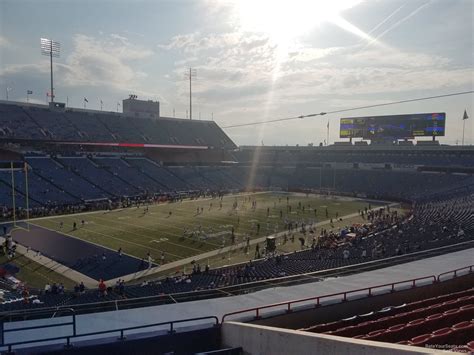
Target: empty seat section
15,123
100,176
158,173
133,176
66,179
54,124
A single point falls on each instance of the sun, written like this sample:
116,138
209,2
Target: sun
285,20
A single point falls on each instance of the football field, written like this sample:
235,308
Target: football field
178,230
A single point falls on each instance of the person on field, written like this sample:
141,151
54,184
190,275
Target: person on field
150,261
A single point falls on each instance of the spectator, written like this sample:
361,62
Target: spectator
102,288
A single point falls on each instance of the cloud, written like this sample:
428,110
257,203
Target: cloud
241,69
101,66
238,66
13,69
104,61
199,43
3,41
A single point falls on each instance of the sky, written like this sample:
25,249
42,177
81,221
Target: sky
255,60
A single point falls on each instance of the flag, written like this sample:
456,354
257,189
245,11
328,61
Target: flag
101,102
465,116
85,100
29,92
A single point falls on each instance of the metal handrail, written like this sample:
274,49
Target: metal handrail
288,304
12,330
35,312
75,335
455,272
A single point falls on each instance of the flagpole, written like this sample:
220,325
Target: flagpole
327,140
463,128
464,118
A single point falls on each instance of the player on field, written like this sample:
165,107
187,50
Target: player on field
150,261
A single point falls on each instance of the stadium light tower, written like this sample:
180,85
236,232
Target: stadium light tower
51,49
191,74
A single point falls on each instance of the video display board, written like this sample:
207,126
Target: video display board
394,126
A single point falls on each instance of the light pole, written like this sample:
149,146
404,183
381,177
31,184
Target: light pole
51,49
191,74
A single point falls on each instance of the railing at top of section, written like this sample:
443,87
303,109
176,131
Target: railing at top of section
455,272
318,299
74,334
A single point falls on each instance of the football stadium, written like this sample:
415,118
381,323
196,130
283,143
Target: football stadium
131,231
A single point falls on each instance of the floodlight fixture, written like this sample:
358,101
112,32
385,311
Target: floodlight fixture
51,49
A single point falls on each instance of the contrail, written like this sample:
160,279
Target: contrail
386,19
396,24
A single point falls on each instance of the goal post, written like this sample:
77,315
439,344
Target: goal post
27,197
14,195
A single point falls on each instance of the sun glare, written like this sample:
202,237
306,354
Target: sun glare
285,20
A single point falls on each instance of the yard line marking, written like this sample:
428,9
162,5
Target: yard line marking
148,237
129,208
154,230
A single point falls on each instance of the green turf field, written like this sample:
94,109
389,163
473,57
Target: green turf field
179,231
35,275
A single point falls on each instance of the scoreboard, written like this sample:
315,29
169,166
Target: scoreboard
394,126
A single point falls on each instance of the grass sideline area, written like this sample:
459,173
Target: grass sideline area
35,275
168,228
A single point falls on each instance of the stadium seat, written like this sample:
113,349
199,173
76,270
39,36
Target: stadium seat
440,336
420,340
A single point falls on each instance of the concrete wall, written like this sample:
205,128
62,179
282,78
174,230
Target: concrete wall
256,340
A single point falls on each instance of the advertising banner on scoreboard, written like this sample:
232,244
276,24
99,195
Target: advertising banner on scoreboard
394,126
